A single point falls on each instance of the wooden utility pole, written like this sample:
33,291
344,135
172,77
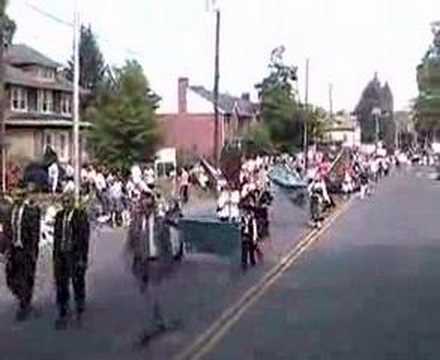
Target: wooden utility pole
216,91
2,101
330,98
306,119
76,150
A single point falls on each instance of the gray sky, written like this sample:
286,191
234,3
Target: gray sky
346,40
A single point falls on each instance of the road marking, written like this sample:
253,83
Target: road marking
210,338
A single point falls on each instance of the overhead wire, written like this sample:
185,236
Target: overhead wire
63,22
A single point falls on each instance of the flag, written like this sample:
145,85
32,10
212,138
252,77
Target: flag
212,5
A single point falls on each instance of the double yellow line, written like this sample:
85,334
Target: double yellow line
204,343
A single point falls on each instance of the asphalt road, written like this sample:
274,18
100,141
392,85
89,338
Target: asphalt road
200,289
368,290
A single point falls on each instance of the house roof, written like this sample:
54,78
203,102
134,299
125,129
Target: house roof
16,76
21,54
228,103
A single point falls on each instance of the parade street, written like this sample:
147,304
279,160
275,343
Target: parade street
117,313
368,289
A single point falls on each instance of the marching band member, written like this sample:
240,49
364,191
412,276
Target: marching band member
70,258
22,233
249,233
234,203
223,205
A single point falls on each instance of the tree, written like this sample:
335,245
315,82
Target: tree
125,128
316,123
91,60
374,96
427,105
10,28
280,110
257,140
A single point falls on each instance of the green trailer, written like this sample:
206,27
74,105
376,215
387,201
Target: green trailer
205,235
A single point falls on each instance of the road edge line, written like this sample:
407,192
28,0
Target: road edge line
213,334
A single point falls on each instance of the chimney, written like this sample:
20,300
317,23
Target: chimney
183,84
246,96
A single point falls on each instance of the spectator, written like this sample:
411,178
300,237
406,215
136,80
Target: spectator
53,172
184,186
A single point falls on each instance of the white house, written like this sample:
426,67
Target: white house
343,129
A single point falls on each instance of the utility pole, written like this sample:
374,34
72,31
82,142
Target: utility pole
306,119
330,97
376,112
76,150
2,101
216,90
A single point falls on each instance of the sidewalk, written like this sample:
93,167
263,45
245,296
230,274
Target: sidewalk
196,294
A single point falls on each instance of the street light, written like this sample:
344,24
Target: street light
376,112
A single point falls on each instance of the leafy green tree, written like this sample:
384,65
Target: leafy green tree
92,65
316,123
427,105
280,109
9,25
376,96
125,127
257,140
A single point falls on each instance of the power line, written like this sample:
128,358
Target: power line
69,24
49,15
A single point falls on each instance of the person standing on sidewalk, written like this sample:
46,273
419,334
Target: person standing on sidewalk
364,179
22,233
184,186
70,258
53,173
116,202
249,233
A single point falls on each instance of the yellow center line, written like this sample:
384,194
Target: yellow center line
208,340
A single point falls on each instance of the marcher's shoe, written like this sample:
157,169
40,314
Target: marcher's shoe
23,314
61,323
80,308
79,320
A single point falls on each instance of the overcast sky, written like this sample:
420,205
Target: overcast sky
346,40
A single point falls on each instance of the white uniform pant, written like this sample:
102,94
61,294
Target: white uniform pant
364,189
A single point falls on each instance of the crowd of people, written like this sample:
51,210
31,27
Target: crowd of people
247,204
133,200
115,191
357,174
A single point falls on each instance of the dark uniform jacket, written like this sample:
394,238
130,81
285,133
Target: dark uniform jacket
74,239
22,234
22,229
248,228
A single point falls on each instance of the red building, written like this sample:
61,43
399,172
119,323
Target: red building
190,129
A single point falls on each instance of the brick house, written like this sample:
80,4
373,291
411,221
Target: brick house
39,106
190,128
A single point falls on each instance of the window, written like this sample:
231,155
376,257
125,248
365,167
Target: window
63,150
19,99
46,73
47,141
59,142
45,101
50,74
66,104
